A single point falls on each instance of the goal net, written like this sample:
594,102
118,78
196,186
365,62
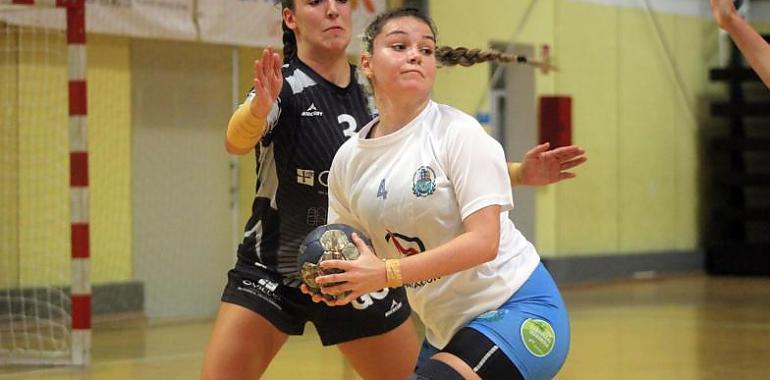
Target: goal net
36,268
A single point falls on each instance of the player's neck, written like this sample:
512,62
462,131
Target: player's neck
396,115
335,69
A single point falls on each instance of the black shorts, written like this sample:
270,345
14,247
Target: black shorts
288,309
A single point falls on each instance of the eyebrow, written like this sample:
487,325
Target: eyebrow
427,36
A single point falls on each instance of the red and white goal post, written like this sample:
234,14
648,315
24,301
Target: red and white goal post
31,333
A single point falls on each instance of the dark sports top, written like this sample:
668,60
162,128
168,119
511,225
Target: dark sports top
307,124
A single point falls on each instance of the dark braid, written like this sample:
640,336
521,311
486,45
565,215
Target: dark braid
289,39
448,56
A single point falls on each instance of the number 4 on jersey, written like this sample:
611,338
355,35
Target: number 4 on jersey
381,192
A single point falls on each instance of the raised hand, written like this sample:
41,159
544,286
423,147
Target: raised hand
723,11
268,81
544,167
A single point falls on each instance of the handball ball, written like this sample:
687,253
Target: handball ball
327,242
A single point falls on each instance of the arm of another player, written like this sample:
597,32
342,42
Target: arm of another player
477,245
752,45
544,167
248,123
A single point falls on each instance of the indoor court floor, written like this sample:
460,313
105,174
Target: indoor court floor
684,328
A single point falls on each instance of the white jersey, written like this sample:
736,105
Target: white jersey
410,191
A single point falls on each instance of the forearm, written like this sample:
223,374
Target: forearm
244,130
463,252
752,45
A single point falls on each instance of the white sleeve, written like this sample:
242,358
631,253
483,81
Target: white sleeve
339,203
476,166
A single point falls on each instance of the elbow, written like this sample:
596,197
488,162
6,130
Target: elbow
485,245
489,249
234,150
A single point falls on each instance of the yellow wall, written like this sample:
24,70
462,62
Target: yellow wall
36,161
109,130
43,160
9,155
638,191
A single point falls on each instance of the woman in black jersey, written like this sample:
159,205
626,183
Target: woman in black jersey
300,114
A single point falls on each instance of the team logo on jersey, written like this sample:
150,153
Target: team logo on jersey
306,177
424,181
405,245
312,111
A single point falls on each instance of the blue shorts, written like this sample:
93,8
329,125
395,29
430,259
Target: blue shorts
531,328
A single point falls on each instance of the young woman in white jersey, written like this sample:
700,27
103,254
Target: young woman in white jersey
299,115
430,188
751,44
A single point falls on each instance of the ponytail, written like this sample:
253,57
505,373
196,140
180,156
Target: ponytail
289,39
289,43
448,56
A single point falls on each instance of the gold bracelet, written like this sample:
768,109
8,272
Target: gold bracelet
393,273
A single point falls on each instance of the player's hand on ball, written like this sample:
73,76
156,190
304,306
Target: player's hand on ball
315,296
330,242
364,275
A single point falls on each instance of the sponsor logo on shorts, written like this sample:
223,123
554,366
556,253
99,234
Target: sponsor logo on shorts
394,307
492,315
538,337
368,299
262,288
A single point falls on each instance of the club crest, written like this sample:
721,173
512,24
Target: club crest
424,181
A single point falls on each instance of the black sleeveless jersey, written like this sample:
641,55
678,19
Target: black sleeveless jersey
307,124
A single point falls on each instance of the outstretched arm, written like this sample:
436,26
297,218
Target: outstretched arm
751,44
544,167
248,123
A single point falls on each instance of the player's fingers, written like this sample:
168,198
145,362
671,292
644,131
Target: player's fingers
263,93
566,152
266,61
335,289
347,299
573,163
336,264
317,298
275,73
360,243
534,152
331,278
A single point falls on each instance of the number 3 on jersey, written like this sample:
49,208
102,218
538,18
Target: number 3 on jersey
350,125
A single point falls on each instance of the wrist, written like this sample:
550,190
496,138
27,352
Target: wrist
730,21
515,173
393,278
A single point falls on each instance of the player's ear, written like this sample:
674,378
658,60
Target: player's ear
288,18
365,65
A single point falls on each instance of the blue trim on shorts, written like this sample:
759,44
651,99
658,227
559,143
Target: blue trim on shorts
537,299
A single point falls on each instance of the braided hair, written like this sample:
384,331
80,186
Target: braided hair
289,39
445,55
448,56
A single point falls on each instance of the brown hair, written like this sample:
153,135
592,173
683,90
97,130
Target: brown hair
289,39
445,55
